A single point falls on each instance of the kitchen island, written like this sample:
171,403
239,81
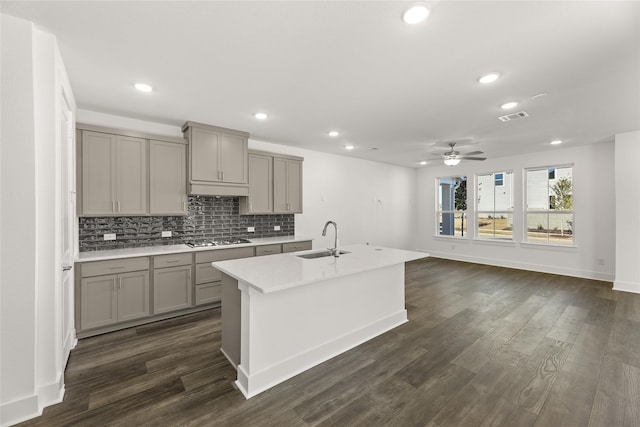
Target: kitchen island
283,314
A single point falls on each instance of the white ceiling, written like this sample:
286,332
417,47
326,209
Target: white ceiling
354,66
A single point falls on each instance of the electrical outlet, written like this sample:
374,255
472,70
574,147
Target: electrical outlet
251,229
276,228
110,236
166,233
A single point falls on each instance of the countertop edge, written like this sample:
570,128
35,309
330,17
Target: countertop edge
105,255
220,265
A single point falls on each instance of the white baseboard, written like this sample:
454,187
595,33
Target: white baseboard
252,385
619,285
30,407
540,268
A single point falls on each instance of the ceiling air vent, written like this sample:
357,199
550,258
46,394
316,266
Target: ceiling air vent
509,117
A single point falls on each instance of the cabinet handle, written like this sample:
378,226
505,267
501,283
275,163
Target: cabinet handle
119,282
118,203
222,173
116,268
184,206
113,206
172,260
114,285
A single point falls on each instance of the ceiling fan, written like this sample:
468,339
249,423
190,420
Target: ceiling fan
453,157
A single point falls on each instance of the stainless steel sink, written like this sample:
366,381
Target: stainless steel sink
320,254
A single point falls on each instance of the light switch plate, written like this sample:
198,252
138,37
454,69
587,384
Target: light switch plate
110,236
251,229
276,228
166,233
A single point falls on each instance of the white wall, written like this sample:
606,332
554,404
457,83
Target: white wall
371,202
594,204
31,364
627,158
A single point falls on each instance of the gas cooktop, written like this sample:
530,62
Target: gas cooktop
220,242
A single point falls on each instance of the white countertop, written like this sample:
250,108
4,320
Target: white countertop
172,249
283,271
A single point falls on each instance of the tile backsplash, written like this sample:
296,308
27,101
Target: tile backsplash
208,217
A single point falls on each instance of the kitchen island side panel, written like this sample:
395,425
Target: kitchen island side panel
288,332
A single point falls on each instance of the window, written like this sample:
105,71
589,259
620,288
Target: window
452,206
550,205
495,206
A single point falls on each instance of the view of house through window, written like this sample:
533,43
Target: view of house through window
550,205
452,206
494,193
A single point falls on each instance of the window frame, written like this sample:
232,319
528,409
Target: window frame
494,213
548,211
439,211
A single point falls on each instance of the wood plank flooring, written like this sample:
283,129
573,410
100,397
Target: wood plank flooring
485,346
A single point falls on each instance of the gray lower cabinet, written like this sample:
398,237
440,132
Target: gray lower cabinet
296,246
172,282
209,279
107,297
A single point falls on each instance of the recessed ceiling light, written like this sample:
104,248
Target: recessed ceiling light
424,162
143,87
538,95
415,14
260,116
556,142
489,78
334,133
509,105
349,147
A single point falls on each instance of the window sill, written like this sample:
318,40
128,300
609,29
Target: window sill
498,242
456,238
544,246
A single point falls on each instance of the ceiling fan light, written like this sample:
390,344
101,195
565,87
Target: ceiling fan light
451,161
489,78
415,14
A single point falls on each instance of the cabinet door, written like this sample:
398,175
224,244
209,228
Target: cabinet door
171,289
204,154
260,184
280,203
233,159
294,186
131,176
98,301
133,295
167,178
98,173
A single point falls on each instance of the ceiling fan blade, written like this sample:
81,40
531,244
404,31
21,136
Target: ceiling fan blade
473,153
473,158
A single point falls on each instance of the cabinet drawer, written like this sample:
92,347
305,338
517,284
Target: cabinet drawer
206,273
114,266
208,293
224,254
296,246
172,260
268,250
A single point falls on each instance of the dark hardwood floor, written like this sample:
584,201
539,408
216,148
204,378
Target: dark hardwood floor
485,346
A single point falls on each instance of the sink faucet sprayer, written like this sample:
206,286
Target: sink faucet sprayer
336,250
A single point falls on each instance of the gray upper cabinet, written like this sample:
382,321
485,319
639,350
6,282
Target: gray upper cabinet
167,178
287,185
218,160
114,174
275,184
260,200
125,172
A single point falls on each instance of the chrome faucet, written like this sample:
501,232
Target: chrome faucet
336,250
